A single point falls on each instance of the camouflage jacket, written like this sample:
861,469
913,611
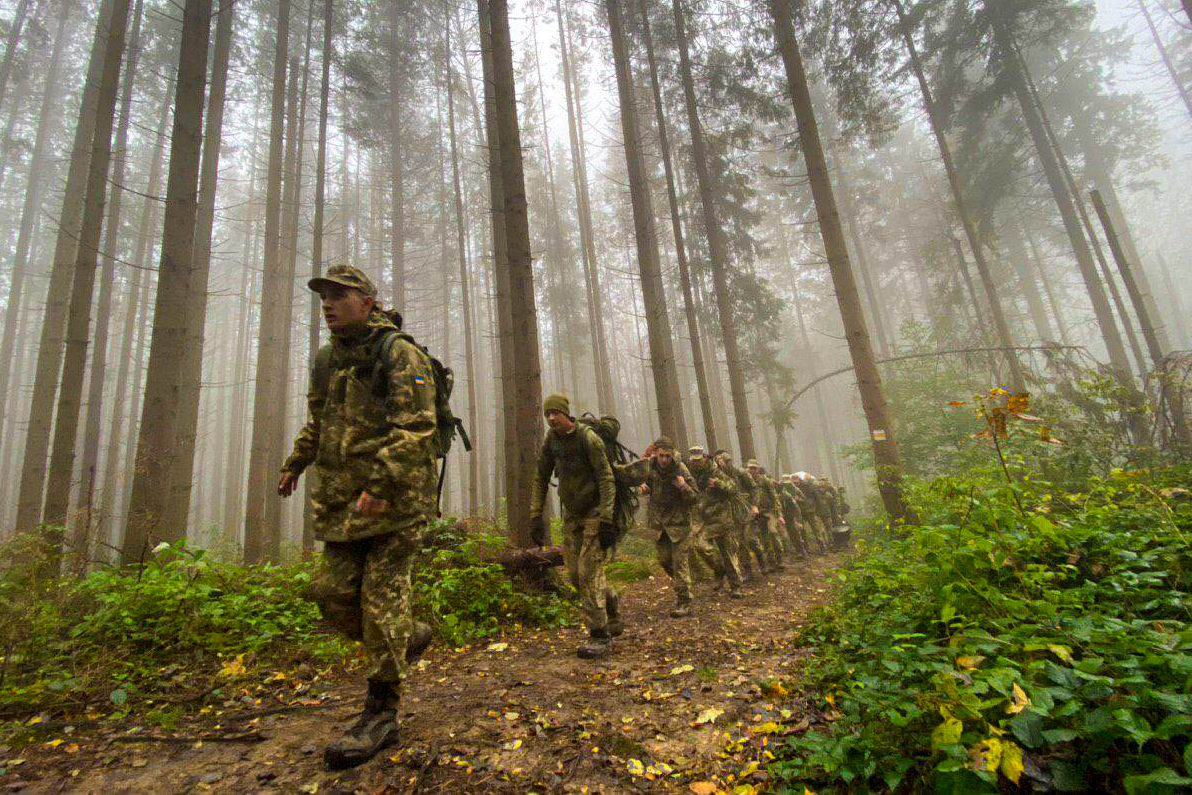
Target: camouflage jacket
670,506
370,427
766,496
825,503
719,494
790,503
586,481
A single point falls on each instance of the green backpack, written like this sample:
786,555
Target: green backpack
620,458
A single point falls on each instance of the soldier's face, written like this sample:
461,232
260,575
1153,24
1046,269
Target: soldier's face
344,307
665,459
558,421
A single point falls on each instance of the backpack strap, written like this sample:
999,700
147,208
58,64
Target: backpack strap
320,372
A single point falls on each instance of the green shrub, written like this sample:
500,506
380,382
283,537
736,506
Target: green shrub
1023,632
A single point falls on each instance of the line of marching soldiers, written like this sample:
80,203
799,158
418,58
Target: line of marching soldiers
700,506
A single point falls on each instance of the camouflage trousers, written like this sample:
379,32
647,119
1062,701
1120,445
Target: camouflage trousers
725,544
751,548
363,590
772,541
675,558
585,567
703,551
797,531
818,531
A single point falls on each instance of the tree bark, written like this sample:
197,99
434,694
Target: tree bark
970,231
693,332
53,329
523,314
473,503
11,42
869,382
1168,64
717,245
261,541
156,444
78,330
662,357
605,393
191,371
397,177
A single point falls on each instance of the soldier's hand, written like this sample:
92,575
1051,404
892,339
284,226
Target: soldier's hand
287,484
680,482
368,505
644,489
753,511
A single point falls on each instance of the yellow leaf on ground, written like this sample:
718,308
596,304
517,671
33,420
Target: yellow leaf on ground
635,767
709,715
498,646
54,743
233,668
769,727
703,788
1012,761
1018,700
682,669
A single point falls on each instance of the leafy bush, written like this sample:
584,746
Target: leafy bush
1023,633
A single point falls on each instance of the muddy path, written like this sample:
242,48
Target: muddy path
523,714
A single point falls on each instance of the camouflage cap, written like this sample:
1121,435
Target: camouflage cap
344,276
696,452
752,464
664,443
721,451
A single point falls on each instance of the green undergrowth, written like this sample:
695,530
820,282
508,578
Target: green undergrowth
188,629
1024,636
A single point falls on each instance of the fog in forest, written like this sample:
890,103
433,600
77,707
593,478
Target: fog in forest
724,203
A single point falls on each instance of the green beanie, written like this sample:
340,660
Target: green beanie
557,402
664,443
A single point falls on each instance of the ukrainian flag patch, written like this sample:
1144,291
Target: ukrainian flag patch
420,380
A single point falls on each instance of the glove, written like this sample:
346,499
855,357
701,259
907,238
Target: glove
539,533
608,535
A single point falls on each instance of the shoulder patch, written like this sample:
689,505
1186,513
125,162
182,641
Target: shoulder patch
420,380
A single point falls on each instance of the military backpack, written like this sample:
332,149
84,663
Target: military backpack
620,458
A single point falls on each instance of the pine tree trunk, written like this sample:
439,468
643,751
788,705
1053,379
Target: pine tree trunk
717,245
53,330
1177,305
84,516
526,368
605,393
693,332
396,165
869,382
78,330
869,279
10,45
1168,64
662,357
316,249
473,502
190,373
1028,286
156,444
1057,311
261,541
970,230
114,477
34,192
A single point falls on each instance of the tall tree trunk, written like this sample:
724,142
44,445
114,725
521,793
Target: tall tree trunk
316,248
1057,311
34,191
523,314
697,348
717,245
191,371
157,440
1067,209
869,382
605,393
99,353
261,542
114,477
78,329
966,221
662,357
396,165
10,45
66,248
1177,305
1168,64
1029,287
473,503
869,280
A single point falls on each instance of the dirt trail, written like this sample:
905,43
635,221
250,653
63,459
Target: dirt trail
516,716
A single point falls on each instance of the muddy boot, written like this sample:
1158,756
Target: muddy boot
612,606
419,639
597,646
682,609
375,729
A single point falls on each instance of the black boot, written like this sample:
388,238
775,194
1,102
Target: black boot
612,607
597,646
419,640
374,731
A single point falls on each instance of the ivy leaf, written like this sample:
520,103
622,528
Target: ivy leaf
947,733
986,755
1012,761
1018,700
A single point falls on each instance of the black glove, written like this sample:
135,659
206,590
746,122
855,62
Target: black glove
608,535
539,533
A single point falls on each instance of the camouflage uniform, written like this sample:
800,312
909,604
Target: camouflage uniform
668,517
715,517
793,517
587,490
816,531
370,427
747,539
825,504
766,520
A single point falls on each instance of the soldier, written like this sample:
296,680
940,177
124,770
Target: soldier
747,540
825,504
672,493
793,517
768,518
371,435
587,493
715,515
805,488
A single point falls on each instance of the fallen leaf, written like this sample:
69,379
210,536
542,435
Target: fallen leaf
498,646
512,715
709,715
703,788
54,743
635,767
512,745
233,668
682,669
